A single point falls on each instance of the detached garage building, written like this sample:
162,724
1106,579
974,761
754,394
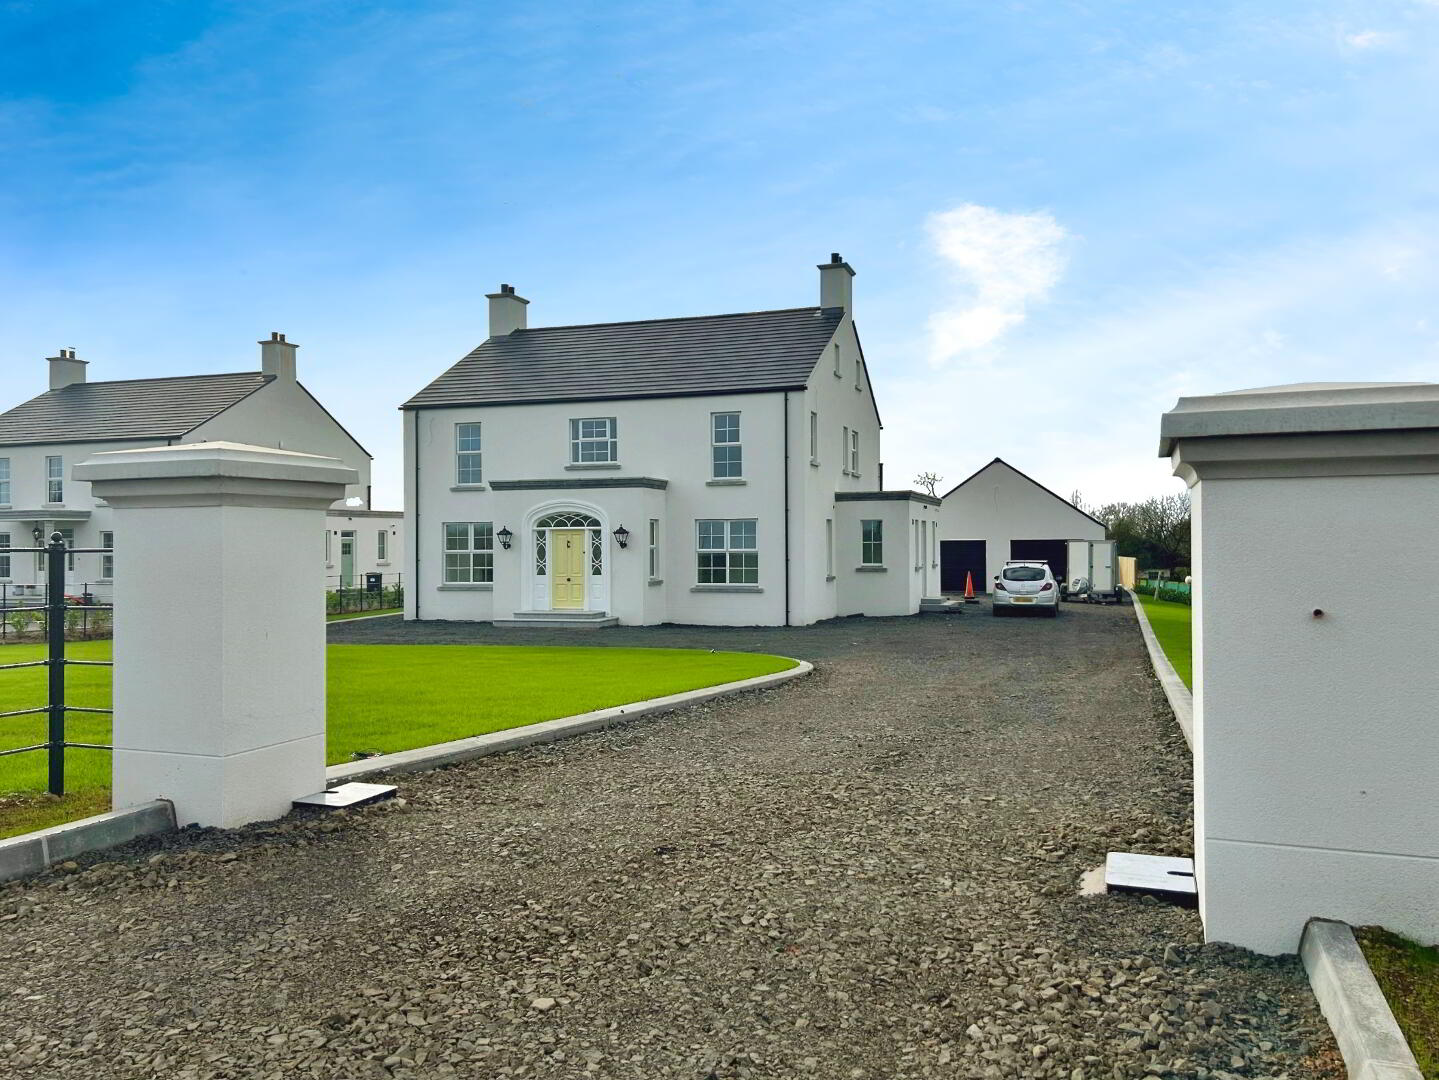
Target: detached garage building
1000,514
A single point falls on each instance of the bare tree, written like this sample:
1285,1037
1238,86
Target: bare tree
928,481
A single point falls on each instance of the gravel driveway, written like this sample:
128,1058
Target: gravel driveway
869,873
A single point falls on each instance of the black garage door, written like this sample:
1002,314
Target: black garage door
958,557
1054,552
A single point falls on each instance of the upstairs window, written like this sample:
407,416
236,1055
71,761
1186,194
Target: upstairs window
858,373
871,542
814,438
854,452
4,481
844,451
726,453
54,479
469,552
467,454
838,361
593,441
107,560
728,552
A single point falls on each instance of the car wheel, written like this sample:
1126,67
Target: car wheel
995,610
1054,612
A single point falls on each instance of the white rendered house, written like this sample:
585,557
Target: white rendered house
718,470
999,513
42,439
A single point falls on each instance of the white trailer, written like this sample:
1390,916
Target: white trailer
1093,572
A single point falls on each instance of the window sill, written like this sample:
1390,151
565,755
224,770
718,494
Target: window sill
727,588
656,581
729,481
382,562
467,487
329,566
813,463
52,506
104,581
829,577
465,588
839,375
871,569
4,506
588,465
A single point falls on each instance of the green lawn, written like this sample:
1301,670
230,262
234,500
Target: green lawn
1172,628
382,698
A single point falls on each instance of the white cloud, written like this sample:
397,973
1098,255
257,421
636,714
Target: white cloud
1081,400
1003,263
1371,39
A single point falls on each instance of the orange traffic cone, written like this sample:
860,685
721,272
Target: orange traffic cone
969,588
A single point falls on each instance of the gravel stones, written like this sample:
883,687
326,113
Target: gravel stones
869,873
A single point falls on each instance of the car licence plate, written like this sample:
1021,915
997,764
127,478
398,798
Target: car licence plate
1024,599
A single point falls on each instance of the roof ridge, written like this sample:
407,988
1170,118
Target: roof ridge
676,318
152,378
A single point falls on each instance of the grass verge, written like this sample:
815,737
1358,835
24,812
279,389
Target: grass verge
382,698
1408,973
1171,625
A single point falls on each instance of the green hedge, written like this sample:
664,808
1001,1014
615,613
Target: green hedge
1163,590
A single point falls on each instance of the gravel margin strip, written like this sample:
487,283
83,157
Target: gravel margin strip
547,731
1363,1024
1181,699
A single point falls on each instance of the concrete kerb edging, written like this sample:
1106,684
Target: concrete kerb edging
1180,698
33,852
364,618
1369,1037
498,742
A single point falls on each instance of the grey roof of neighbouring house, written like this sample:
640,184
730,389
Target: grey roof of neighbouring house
126,409
712,354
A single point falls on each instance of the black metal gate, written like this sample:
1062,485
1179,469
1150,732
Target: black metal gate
55,607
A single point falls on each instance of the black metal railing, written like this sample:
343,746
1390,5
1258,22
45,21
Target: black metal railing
364,592
55,609
23,609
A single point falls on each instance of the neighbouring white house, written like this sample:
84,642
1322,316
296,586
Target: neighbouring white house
719,470
999,513
43,438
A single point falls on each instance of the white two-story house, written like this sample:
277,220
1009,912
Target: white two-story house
42,439
718,470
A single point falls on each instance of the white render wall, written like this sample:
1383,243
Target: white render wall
897,588
283,415
998,505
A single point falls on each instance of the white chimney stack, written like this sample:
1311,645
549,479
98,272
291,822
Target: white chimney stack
66,369
277,357
836,283
507,311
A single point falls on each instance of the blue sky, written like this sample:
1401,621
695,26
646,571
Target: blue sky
1063,215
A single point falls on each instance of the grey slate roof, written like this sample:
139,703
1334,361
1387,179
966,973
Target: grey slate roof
712,354
125,409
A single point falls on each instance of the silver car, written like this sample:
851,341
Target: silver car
1025,585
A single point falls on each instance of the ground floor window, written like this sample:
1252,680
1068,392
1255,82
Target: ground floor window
728,552
654,547
4,554
469,552
107,561
871,542
382,546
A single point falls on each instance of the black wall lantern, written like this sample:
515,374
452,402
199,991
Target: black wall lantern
505,537
622,537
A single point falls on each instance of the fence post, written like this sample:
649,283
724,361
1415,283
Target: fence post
219,677
55,659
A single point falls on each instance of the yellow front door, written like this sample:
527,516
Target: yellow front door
569,562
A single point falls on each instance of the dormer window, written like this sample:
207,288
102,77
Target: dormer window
593,441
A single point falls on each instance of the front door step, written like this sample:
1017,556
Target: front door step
579,620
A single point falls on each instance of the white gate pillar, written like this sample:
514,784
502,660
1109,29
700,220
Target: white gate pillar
219,677
1316,656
